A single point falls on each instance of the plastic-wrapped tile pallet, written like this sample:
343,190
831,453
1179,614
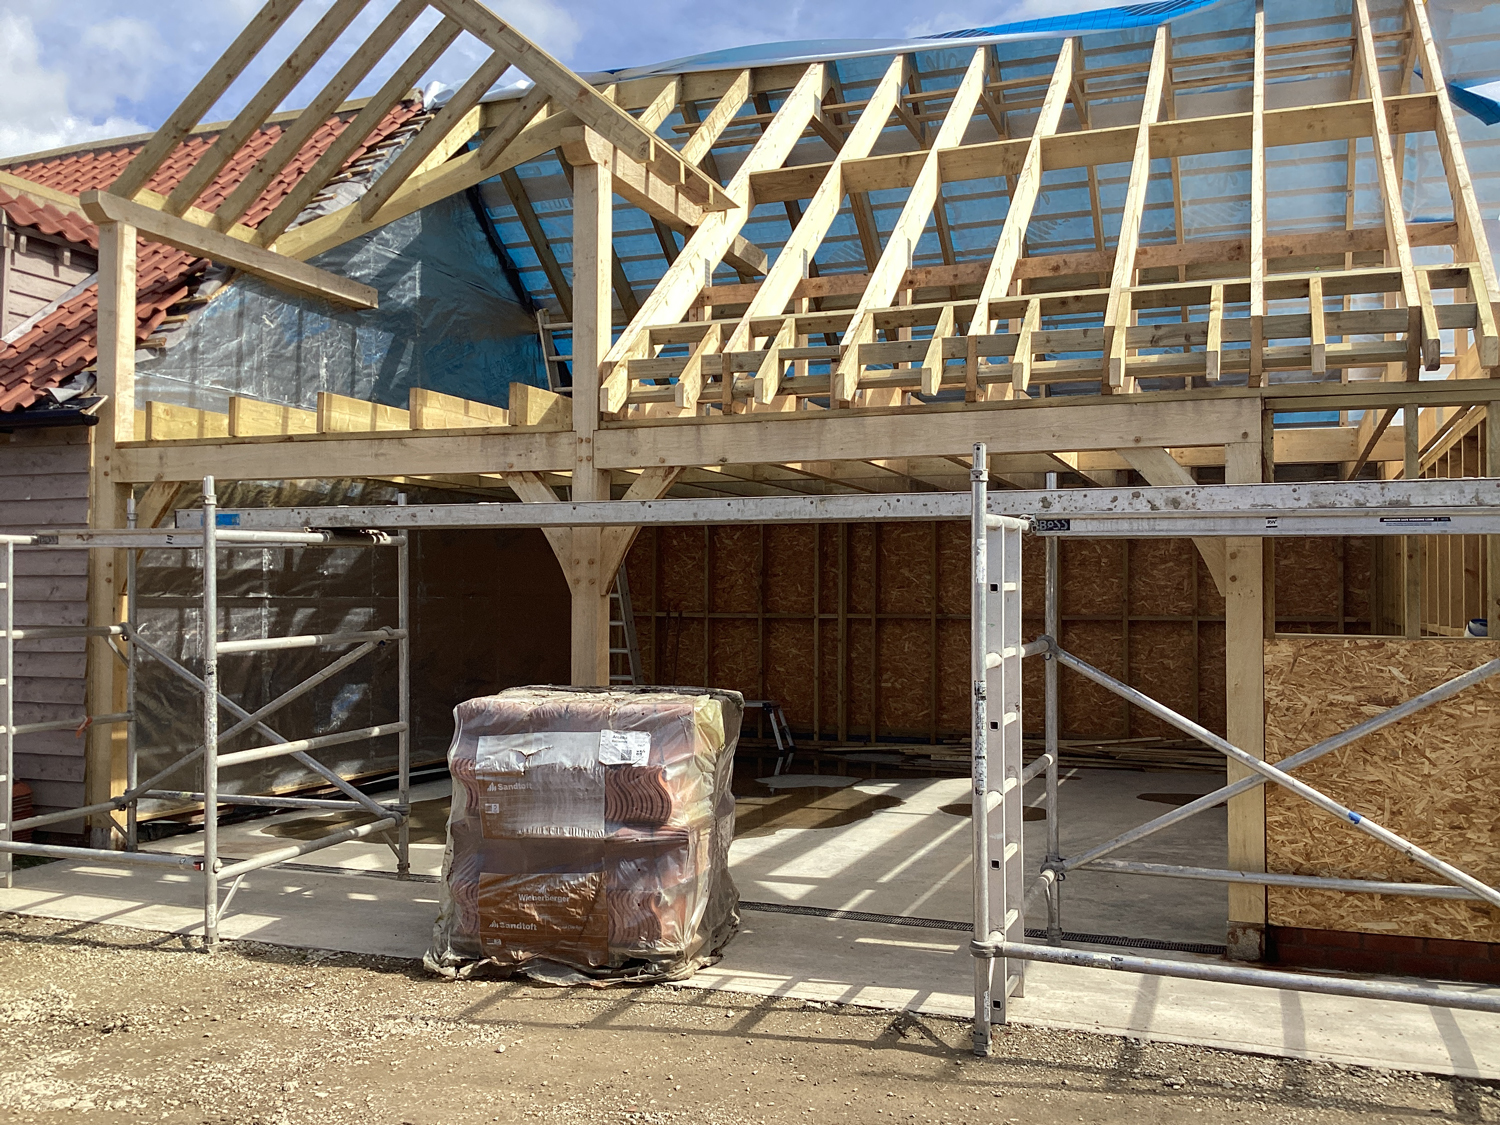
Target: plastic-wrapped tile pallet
590,831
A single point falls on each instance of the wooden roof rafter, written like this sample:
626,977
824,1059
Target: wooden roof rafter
419,174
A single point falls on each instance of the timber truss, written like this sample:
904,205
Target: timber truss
964,311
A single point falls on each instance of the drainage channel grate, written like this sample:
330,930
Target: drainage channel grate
965,927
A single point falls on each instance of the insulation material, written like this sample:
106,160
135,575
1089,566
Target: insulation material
589,834
1430,778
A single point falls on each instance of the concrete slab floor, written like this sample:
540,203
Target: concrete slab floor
890,848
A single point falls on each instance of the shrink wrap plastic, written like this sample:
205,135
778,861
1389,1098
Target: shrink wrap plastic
589,835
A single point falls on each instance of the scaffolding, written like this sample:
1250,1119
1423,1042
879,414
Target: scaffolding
213,535
1001,901
998,523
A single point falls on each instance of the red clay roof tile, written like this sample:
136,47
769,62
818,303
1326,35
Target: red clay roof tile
64,342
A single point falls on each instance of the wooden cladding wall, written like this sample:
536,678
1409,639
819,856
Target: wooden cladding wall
861,631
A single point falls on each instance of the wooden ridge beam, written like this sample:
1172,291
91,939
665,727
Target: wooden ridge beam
158,226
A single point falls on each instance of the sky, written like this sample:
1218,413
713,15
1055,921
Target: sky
79,70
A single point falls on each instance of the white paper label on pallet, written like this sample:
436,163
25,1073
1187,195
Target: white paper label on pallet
624,747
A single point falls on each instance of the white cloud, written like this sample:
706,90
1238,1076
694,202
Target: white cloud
39,114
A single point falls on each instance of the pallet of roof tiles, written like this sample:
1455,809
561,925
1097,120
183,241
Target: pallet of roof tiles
589,834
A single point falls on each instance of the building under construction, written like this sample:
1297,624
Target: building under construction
1073,402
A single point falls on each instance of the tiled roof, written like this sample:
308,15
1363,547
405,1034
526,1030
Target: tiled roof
64,342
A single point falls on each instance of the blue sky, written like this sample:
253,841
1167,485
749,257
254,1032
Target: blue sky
77,70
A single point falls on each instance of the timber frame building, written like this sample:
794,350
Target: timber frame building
1176,249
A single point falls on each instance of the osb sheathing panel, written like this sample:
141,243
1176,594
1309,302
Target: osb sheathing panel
1093,576
1088,710
734,662
905,670
861,580
735,581
954,581
680,572
1212,675
953,677
906,568
859,652
789,670
1431,778
1359,561
1307,578
791,556
681,660
1162,573
1162,656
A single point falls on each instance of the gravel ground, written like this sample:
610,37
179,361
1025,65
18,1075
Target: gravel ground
99,1023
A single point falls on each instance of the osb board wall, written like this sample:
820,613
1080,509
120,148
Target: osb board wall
1431,778
861,632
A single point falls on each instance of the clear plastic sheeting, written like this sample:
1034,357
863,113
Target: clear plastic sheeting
448,321
589,835
269,592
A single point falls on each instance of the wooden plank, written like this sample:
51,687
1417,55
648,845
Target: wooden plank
705,249
297,133
339,414
1244,621
1258,202
448,120
1116,316
1024,354
1473,244
690,379
768,377
249,417
355,133
288,273
701,142
262,104
430,410
1001,272
201,98
515,191
539,407
168,422
115,382
1486,337
532,104
1397,239
932,361
1319,334
896,258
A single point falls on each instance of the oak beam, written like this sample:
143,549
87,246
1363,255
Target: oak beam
102,207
